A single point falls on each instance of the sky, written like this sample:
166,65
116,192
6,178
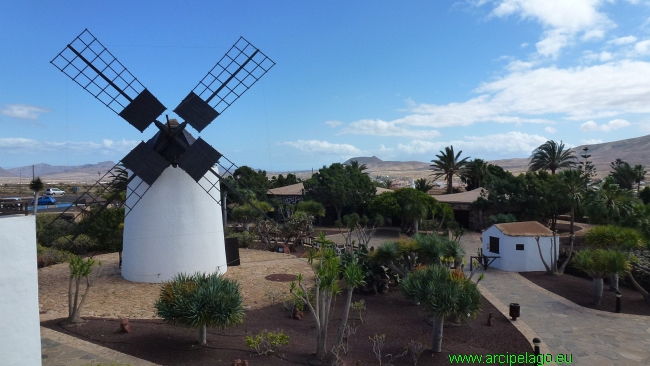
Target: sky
400,80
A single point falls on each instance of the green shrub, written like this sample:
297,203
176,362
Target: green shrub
501,218
48,230
244,239
49,256
80,245
267,342
201,300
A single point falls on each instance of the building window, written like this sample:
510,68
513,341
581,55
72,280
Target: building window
494,245
520,247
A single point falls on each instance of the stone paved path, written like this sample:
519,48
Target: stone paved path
593,337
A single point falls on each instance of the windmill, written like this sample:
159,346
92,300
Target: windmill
173,218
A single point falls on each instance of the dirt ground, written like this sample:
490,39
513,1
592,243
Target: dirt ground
389,314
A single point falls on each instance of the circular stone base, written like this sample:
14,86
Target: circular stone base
281,277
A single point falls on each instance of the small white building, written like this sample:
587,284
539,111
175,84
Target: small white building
515,245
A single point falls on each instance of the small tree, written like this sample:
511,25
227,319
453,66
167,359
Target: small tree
328,270
248,213
598,264
36,185
445,294
80,270
201,300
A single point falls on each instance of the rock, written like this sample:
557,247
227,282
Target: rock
283,248
297,314
125,326
490,321
239,362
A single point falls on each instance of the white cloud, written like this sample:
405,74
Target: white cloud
383,128
550,129
622,40
605,56
333,124
324,147
511,142
23,111
561,19
614,124
643,47
591,142
31,146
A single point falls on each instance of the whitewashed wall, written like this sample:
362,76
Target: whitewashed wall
20,334
527,260
176,227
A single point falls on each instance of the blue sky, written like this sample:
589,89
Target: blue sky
399,80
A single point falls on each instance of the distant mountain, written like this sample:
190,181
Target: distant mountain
6,174
634,151
81,173
364,160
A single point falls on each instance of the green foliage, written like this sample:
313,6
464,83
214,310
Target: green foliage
267,342
281,181
551,156
248,213
200,300
614,237
501,218
80,245
644,195
244,239
311,207
48,229
340,186
600,263
80,271
359,307
255,181
475,173
423,185
443,292
448,165
49,256
107,229
609,203
36,185
625,175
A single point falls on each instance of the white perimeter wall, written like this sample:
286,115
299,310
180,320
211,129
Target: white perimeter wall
176,227
20,333
526,260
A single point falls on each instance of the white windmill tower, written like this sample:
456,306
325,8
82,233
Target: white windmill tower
173,219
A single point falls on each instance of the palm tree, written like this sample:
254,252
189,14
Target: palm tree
423,185
639,175
36,185
475,173
551,156
448,165
609,203
354,164
573,183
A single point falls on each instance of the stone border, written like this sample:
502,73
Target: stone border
94,349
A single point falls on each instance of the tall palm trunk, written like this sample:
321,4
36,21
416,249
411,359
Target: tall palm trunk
344,320
597,290
450,189
202,335
572,219
436,343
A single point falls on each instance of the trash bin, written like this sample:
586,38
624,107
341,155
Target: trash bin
515,311
232,252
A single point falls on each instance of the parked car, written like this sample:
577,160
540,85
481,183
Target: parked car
54,192
45,200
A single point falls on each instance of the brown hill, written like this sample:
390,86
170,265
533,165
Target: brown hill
634,151
6,174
